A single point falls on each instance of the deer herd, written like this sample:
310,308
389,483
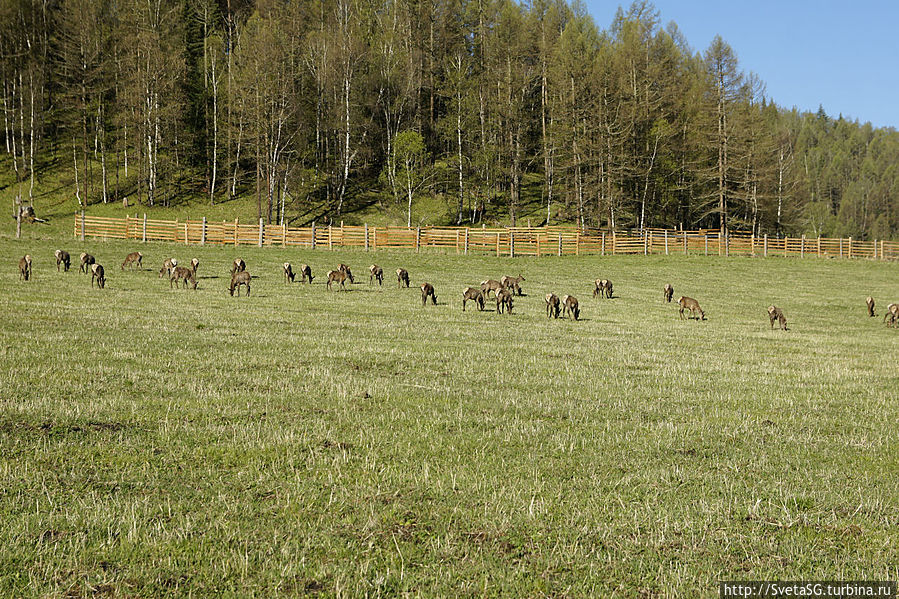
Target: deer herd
504,290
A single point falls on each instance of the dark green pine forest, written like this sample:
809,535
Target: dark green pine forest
444,112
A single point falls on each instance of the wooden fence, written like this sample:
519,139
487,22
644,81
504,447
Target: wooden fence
542,241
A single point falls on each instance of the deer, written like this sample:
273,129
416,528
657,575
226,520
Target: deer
194,265
688,303
239,278
97,274
892,315
602,288
25,267
570,306
337,276
167,267
475,295
86,262
552,305
306,272
513,283
503,301
186,275
490,285
668,291
775,313
427,290
346,269
288,272
870,301
63,258
402,276
376,273
132,259
238,266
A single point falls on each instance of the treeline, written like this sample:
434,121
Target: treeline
312,107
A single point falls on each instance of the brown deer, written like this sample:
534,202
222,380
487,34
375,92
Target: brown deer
402,276
602,288
892,315
97,274
668,291
86,262
306,273
775,313
167,267
183,274
376,273
346,269
427,290
490,285
62,257
288,272
552,305
870,302
25,267
194,265
513,283
132,259
503,301
239,278
337,276
475,295
238,266
570,306
688,303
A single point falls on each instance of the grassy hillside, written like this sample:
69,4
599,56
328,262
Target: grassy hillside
301,442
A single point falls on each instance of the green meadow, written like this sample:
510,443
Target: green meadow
300,442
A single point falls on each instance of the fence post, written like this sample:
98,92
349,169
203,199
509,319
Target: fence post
577,243
236,233
511,244
603,250
313,235
819,246
418,239
613,241
374,239
875,249
457,241
766,245
144,231
802,247
203,233
82,225
727,243
560,244
260,232
645,239
850,247
841,247
186,240
684,233
330,239
366,237
497,245
466,240
666,242
706,244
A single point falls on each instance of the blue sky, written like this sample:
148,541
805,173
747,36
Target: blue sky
842,55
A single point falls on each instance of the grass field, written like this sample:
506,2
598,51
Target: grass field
160,442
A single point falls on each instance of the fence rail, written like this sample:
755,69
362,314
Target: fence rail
523,241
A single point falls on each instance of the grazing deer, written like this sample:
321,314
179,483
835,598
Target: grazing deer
892,315
570,306
25,267
132,259
602,288
688,303
475,295
503,301
775,313
552,305
513,283
167,267
238,266
288,272
668,291
376,273
346,269
306,273
97,274
870,302
86,262
194,265
337,276
240,278
427,290
183,274
490,285
62,257
402,276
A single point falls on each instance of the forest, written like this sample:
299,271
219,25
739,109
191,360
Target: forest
493,109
